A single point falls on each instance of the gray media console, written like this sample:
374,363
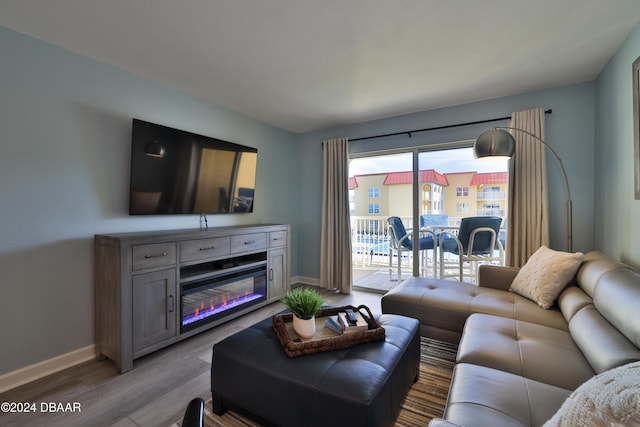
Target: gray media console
156,288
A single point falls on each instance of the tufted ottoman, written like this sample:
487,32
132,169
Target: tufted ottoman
364,385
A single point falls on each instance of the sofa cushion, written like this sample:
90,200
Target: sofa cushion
601,343
481,396
608,399
442,306
545,275
496,276
439,422
617,298
572,300
538,352
595,265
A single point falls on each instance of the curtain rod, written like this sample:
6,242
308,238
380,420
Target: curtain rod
410,132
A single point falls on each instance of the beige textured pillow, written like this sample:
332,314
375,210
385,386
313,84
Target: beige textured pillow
545,275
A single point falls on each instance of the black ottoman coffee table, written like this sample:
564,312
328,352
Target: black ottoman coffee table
363,385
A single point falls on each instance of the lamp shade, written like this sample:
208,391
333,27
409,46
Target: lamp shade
154,149
495,142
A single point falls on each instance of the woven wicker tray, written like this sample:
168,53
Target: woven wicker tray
325,339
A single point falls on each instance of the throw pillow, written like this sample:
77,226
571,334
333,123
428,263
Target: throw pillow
611,398
545,275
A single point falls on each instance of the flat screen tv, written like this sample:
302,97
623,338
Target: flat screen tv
179,172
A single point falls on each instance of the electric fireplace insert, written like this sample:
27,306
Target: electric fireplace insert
209,299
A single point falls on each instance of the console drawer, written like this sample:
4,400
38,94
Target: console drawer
154,255
277,239
249,242
193,250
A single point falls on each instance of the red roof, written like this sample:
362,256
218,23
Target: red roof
489,178
429,175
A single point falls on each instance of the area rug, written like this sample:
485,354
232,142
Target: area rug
425,400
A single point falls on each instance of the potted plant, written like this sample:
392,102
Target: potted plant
304,303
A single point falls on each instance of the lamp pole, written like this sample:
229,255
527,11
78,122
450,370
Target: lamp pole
495,141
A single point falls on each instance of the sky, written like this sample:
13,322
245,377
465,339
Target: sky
443,161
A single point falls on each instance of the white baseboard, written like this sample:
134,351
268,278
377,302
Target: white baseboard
313,281
46,367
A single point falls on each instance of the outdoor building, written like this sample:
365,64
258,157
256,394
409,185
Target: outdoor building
457,194
491,193
389,193
476,194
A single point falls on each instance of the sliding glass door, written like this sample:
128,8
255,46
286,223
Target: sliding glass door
380,187
417,186
465,186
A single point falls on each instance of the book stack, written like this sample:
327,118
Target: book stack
340,325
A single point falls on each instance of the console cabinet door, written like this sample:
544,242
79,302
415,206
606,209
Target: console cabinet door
154,308
277,273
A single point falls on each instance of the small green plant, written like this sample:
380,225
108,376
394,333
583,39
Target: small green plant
303,302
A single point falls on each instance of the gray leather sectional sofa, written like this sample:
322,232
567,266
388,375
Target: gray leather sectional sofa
517,362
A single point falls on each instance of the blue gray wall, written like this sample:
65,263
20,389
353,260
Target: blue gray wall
65,124
617,220
65,135
569,130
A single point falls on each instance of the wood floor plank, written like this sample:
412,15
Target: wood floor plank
155,392
171,405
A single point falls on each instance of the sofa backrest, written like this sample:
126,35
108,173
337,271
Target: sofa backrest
594,265
603,312
580,294
601,343
572,300
617,298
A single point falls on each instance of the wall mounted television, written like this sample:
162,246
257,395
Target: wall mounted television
179,172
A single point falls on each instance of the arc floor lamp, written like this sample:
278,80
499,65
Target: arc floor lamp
499,142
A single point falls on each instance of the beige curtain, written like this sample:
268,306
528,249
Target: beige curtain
335,242
528,218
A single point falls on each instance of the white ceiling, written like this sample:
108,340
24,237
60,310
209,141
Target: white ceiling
309,64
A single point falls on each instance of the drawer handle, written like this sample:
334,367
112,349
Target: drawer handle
207,249
155,256
251,242
275,239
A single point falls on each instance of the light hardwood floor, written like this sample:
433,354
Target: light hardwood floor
154,393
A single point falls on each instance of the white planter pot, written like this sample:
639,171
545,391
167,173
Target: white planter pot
304,328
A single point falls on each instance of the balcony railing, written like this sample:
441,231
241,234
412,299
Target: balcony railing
370,252
370,240
491,195
491,212
370,237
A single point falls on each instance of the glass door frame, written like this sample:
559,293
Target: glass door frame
415,152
